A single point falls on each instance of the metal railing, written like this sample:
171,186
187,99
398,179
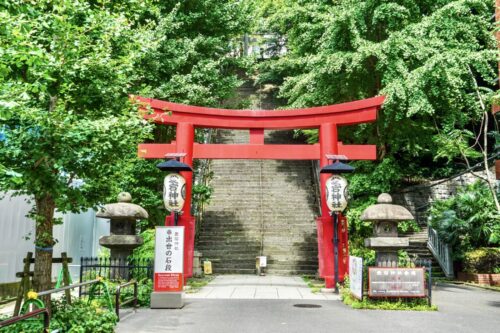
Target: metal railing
118,293
441,251
201,177
35,313
317,183
115,269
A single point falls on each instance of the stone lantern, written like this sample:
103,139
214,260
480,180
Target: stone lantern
123,216
385,217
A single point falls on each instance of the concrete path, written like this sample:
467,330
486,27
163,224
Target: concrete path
258,287
461,309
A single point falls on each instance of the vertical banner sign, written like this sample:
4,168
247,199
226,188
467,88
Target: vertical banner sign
174,192
356,276
169,259
336,193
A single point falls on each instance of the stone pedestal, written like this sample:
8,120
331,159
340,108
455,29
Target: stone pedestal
387,249
167,300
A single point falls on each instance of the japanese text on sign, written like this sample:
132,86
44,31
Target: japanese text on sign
396,282
169,259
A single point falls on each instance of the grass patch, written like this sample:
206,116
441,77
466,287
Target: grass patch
196,283
314,284
405,304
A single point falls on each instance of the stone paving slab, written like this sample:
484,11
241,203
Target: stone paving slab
461,310
258,287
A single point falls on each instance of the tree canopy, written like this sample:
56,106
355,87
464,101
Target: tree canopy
69,129
425,56
435,61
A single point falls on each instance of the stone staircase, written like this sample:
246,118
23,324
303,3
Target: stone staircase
260,207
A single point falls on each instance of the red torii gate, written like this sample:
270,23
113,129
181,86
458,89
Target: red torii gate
325,118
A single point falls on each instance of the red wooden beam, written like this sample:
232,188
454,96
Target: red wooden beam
350,113
258,151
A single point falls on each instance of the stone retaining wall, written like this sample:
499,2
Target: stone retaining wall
418,198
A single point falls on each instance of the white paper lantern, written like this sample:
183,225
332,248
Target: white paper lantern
336,193
174,192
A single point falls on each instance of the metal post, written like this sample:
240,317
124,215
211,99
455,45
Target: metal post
81,277
336,250
176,218
429,291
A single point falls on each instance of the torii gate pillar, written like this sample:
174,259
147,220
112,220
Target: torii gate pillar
328,141
184,144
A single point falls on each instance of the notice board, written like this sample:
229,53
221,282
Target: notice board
356,276
396,282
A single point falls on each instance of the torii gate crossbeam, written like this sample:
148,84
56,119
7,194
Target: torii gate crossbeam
325,118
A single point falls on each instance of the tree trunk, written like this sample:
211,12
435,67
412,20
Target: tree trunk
45,207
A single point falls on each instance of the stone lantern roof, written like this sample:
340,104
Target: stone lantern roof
384,210
123,209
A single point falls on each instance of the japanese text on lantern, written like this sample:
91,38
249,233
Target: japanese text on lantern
173,186
174,192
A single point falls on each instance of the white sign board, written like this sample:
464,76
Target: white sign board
356,276
263,261
174,192
169,259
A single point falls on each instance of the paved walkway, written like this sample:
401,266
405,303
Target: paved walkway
461,309
258,287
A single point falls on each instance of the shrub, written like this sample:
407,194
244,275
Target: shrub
468,220
79,317
147,249
482,260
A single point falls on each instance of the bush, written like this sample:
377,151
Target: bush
468,220
144,290
147,249
79,317
482,260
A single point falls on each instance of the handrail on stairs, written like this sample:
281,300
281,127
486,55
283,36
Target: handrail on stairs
441,251
201,178
317,183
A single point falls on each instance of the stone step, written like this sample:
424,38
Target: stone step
252,251
256,202
270,229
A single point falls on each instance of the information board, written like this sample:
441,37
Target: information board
169,259
396,282
356,276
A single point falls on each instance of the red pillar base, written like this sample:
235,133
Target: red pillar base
325,249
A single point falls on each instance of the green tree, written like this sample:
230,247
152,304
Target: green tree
425,56
434,60
66,69
190,59
68,127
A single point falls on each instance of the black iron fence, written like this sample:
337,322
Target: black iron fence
115,269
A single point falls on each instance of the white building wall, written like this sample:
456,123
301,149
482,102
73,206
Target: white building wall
78,236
